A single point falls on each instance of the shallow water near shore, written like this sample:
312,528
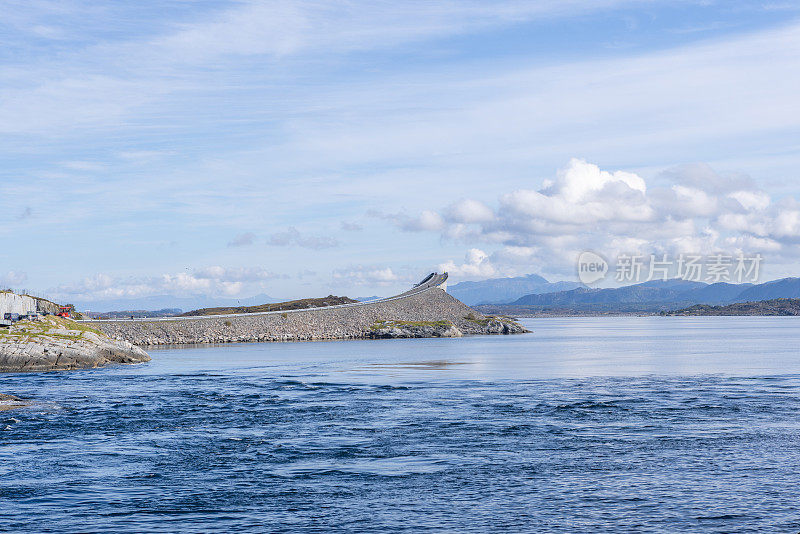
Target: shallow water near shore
631,424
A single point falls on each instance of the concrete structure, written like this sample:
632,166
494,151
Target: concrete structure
13,303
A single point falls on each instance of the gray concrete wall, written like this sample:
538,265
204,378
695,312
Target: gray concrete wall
13,303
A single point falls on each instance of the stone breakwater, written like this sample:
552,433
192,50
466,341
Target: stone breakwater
408,316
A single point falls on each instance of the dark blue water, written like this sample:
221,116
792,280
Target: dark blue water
587,425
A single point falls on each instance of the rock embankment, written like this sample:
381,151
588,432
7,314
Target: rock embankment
56,344
406,329
404,317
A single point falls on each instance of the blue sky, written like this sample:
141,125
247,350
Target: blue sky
301,148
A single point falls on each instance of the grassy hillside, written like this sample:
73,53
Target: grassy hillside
300,304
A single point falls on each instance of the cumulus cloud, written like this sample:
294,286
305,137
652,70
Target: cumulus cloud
580,181
751,200
348,226
242,240
587,208
581,194
476,264
292,237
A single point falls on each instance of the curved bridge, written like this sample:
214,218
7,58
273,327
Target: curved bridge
433,280
425,303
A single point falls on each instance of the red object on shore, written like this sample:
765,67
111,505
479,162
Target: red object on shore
64,311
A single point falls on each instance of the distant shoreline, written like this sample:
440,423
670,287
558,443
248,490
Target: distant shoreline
773,307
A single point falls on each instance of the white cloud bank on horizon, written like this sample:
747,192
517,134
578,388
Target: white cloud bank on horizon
586,208
212,281
209,281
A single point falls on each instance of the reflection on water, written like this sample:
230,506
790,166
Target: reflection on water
586,425
424,365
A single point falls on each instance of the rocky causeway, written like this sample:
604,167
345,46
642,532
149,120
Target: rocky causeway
427,313
56,343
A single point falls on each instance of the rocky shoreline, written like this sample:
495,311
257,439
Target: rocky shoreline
419,329
58,344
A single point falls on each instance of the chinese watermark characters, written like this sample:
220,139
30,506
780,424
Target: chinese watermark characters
635,268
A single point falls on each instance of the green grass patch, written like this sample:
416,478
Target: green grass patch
485,320
44,328
482,321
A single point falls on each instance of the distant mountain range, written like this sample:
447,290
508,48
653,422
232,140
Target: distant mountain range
656,295
504,290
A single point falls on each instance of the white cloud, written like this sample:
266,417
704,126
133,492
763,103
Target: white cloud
476,265
426,221
280,28
292,237
751,200
469,211
360,275
485,124
581,194
212,280
89,86
89,166
787,224
580,181
614,213
240,274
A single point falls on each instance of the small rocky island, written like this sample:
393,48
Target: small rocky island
57,344
772,307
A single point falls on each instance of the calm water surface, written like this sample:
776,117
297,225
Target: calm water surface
586,425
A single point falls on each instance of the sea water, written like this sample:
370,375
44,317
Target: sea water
651,424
